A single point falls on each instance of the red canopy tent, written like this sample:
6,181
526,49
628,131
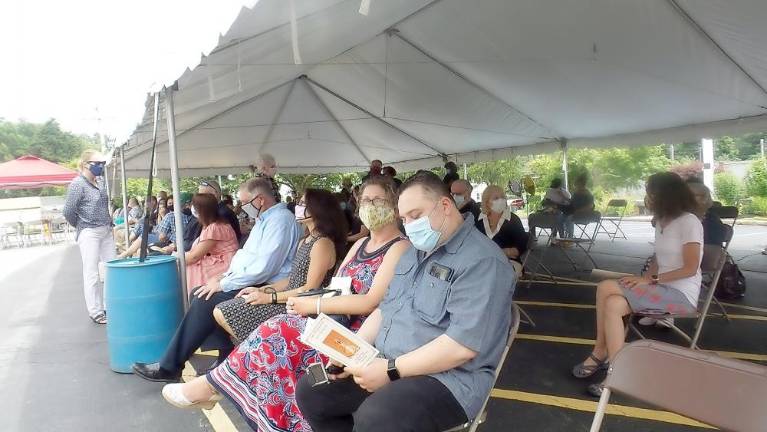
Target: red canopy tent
31,172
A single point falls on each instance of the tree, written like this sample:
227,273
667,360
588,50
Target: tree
496,172
756,179
726,148
728,188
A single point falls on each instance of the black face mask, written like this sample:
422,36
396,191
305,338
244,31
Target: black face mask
169,209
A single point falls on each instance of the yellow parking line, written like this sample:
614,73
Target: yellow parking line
217,417
586,306
591,406
581,341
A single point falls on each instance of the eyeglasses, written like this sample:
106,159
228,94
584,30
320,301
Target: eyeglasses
96,163
377,202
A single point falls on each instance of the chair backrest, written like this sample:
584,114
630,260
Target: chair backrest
726,393
726,212
616,207
515,317
585,218
617,203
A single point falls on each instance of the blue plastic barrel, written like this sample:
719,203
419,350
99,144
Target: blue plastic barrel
144,308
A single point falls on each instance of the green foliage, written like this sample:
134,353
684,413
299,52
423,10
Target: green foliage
726,148
496,172
756,206
298,183
756,179
728,188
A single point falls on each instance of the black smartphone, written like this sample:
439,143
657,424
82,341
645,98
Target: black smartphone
318,374
335,370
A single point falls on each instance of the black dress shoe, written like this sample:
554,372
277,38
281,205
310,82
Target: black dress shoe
153,372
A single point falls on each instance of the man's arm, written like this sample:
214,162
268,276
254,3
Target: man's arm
268,256
439,355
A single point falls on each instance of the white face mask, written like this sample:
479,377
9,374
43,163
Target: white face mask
251,210
194,213
498,205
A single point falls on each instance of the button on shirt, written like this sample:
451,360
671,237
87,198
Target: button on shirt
268,254
473,308
86,205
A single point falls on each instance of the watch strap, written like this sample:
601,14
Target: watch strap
392,371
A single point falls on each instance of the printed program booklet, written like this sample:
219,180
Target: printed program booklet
337,342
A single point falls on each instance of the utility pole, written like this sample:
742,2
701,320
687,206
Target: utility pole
761,144
672,152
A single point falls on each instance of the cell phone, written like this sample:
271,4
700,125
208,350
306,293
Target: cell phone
335,370
318,374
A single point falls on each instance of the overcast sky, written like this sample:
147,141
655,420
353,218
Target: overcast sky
81,60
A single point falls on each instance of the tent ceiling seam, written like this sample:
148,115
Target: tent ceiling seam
333,116
699,28
277,116
358,107
396,32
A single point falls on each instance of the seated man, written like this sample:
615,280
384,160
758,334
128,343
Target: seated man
166,229
441,328
266,258
461,191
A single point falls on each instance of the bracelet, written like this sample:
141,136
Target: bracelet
319,303
274,298
273,292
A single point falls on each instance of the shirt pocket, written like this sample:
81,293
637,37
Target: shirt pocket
400,281
430,299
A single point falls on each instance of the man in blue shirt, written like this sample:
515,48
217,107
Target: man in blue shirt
266,258
441,328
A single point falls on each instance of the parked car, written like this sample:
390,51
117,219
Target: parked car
516,203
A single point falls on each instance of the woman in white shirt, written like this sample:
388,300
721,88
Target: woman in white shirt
672,283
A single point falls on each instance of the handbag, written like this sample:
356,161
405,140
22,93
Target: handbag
732,283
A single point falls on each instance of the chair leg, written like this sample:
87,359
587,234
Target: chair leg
601,408
721,307
526,317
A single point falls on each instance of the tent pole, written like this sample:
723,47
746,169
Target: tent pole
563,143
125,194
330,113
175,182
391,125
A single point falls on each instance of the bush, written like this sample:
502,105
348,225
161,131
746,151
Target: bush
727,188
757,207
756,179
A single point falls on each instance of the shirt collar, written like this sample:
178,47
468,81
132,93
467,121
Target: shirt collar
266,214
459,236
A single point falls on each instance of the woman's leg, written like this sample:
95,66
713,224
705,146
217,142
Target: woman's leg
616,307
605,289
221,320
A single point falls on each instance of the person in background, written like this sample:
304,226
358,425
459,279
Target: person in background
212,252
375,170
389,171
212,187
162,196
87,209
267,167
461,191
166,229
441,328
451,173
554,202
266,258
557,197
138,229
260,376
228,201
581,205
502,226
671,284
291,204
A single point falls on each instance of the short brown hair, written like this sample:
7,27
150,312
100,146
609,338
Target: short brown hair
429,181
385,183
207,208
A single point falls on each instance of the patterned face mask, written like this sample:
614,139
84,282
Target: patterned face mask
374,217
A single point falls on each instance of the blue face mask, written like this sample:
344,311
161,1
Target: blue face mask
96,169
422,235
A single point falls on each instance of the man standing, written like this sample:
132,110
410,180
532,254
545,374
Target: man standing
451,173
441,328
461,191
375,170
266,258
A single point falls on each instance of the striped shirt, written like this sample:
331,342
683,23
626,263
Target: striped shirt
87,206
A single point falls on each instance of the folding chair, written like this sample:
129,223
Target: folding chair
725,393
473,424
726,212
712,263
11,230
616,209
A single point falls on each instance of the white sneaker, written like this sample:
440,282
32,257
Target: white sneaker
647,321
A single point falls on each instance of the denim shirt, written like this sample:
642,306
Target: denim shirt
472,307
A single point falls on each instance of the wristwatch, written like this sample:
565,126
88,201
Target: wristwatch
654,279
392,371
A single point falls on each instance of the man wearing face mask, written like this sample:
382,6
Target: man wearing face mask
441,328
87,209
461,191
266,258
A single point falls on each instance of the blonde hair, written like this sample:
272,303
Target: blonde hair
86,156
489,191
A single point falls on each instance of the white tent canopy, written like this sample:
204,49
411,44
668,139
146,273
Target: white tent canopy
415,81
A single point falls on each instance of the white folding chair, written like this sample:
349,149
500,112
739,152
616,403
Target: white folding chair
613,216
725,393
473,424
712,263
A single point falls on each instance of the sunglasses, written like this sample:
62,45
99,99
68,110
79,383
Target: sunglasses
206,184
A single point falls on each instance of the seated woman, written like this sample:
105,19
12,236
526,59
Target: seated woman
581,206
672,284
259,377
556,199
502,226
212,251
313,267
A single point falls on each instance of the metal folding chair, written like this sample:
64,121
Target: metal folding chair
614,212
473,424
725,213
725,393
712,264
12,230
